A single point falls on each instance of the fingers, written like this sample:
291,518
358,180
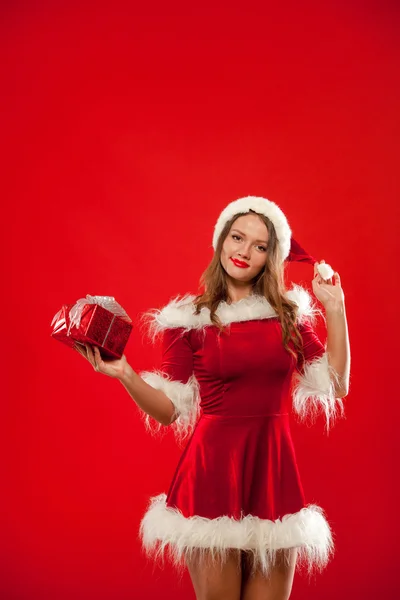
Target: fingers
327,280
80,349
317,276
321,280
330,280
91,356
97,358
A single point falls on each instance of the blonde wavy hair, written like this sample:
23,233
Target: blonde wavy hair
269,283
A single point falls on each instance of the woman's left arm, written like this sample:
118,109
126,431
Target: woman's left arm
338,345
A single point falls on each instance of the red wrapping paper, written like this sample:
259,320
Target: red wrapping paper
93,324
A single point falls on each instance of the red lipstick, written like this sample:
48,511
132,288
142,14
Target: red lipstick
239,263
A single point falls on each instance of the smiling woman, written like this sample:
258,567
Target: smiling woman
235,358
244,249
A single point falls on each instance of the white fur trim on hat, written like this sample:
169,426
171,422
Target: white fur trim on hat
179,312
184,396
163,527
315,389
264,207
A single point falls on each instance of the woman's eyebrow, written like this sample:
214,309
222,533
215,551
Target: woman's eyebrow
241,233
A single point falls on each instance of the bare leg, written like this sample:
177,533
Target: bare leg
214,579
278,585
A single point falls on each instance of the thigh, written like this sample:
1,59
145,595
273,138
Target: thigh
278,585
214,577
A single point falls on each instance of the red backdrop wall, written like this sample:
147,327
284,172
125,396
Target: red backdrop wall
126,129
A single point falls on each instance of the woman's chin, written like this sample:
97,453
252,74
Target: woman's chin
243,279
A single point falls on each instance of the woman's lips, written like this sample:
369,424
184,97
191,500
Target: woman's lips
239,263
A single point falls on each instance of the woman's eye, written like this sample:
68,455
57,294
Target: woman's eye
239,238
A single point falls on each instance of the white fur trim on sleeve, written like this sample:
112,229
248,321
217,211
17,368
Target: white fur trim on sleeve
164,528
315,389
307,307
184,396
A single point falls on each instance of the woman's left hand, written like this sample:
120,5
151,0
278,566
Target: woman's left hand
327,292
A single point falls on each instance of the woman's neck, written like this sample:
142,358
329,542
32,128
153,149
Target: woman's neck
238,293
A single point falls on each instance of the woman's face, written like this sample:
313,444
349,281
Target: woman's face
247,243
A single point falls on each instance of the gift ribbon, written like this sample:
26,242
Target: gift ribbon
103,343
55,318
107,302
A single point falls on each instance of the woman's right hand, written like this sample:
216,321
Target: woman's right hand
113,368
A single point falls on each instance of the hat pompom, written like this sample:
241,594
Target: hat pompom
325,271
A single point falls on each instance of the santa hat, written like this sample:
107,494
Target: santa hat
289,247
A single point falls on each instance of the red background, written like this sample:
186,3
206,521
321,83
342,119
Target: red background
125,132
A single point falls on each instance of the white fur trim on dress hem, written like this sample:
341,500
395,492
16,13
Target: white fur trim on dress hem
184,396
315,388
165,528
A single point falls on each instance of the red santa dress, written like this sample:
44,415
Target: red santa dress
237,483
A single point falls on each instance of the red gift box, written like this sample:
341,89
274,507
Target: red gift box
96,320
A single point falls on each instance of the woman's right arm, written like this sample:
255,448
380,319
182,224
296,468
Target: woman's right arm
168,396
151,401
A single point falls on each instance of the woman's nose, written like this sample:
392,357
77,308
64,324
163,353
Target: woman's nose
245,253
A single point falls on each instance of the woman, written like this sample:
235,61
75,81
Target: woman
235,513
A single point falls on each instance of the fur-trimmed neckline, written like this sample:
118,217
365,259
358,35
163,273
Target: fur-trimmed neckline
179,312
